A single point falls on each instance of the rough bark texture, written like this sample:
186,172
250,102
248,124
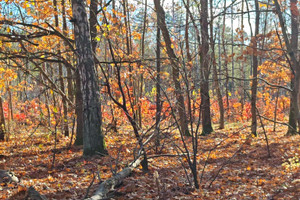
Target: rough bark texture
292,47
294,106
175,68
204,85
79,112
158,102
254,67
114,181
65,128
215,73
93,23
93,141
2,122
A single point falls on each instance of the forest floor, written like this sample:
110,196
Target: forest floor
236,166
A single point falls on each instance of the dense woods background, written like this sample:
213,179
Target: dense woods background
198,98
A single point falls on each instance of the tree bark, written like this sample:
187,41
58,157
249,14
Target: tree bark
204,85
112,182
93,24
225,63
2,122
254,67
93,140
158,95
65,127
175,68
215,73
78,111
292,47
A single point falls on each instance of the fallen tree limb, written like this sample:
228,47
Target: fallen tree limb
112,182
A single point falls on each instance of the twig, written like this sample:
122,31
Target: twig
88,189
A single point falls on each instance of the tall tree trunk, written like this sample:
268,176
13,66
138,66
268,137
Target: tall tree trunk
254,68
158,102
292,47
175,68
140,82
2,121
204,85
93,140
294,106
65,128
93,24
215,73
78,111
69,72
225,62
232,55
189,65
243,85
295,40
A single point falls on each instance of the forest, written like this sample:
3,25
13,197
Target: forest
142,99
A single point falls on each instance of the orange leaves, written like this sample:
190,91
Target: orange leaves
136,35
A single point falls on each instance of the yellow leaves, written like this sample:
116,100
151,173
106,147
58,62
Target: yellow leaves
194,94
165,74
261,5
107,27
213,155
292,164
244,136
98,39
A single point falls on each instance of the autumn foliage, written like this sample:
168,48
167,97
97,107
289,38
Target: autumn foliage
41,92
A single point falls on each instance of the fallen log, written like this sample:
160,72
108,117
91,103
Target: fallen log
111,183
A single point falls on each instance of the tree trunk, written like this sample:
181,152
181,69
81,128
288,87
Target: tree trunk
254,67
69,72
204,85
65,128
93,140
188,65
175,68
78,112
158,102
225,63
292,47
215,73
93,24
2,122
294,117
